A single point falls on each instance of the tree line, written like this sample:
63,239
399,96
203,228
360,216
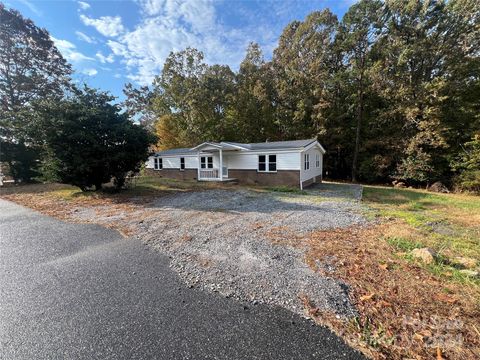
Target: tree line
391,90
52,129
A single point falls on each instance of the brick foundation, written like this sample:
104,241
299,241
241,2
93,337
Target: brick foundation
253,177
187,174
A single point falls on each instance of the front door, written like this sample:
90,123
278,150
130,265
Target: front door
225,171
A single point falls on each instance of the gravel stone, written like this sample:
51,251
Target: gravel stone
218,240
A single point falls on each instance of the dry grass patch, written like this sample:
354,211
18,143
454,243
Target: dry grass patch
404,310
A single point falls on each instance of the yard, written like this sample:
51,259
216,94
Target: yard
339,258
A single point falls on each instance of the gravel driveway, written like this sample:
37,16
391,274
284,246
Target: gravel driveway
222,241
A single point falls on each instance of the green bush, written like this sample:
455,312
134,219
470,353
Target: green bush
467,164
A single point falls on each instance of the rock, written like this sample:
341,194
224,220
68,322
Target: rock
427,255
438,187
464,262
470,273
400,185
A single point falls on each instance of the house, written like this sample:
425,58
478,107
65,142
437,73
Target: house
293,163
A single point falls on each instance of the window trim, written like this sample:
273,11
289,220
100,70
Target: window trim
182,166
267,163
155,163
306,161
206,162
160,163
317,161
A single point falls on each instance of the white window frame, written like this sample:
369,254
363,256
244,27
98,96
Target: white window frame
182,168
267,163
160,163
206,162
306,162
317,161
155,163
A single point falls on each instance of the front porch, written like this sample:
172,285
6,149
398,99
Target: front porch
213,162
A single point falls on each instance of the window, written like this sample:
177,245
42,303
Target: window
317,160
206,162
272,162
182,163
160,163
267,163
155,163
306,163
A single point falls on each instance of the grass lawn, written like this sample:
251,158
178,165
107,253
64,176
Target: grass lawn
406,309
447,223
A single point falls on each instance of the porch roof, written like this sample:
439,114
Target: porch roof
218,146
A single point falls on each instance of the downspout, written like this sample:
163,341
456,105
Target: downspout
198,165
301,167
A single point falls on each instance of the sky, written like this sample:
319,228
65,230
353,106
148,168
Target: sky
110,43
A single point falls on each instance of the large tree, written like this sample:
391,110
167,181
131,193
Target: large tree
254,105
31,68
359,31
87,141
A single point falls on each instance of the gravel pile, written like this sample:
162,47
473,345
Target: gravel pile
219,240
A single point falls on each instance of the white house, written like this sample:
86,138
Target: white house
293,163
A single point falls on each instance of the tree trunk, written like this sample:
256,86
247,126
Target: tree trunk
357,133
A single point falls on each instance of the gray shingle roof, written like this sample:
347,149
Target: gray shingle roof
294,144
180,151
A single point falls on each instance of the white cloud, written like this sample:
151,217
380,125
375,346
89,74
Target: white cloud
85,37
105,59
173,25
109,26
69,51
32,7
90,72
83,5
117,48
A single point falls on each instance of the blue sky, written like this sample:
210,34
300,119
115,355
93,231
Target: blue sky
110,43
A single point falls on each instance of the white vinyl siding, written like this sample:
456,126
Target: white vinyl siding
249,161
313,170
171,162
191,162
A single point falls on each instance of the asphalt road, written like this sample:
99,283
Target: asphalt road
72,291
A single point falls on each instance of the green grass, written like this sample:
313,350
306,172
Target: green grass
286,189
402,244
448,223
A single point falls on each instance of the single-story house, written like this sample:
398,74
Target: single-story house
293,163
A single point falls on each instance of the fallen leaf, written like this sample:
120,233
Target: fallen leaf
439,354
418,337
446,298
385,303
367,297
383,266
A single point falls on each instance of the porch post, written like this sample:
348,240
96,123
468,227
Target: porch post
198,165
221,166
